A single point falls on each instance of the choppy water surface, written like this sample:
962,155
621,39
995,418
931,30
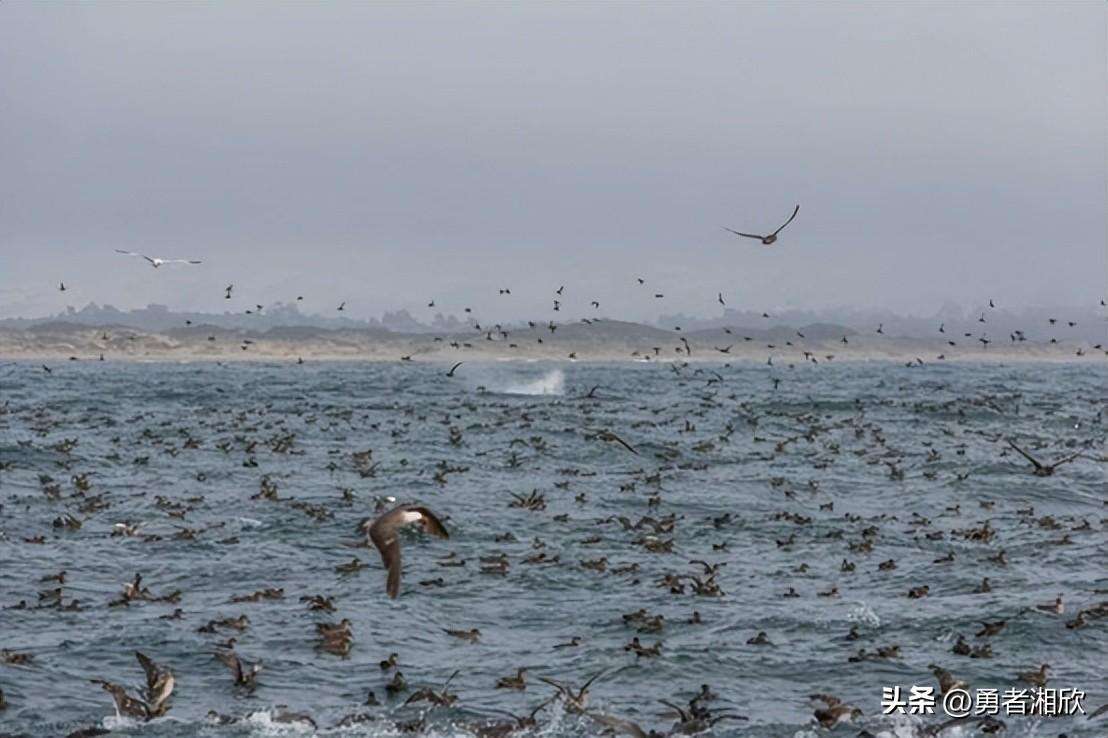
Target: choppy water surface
781,484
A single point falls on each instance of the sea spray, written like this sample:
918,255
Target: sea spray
551,383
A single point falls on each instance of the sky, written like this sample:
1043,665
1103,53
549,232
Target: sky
390,154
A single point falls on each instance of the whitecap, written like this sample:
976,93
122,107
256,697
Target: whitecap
551,383
864,615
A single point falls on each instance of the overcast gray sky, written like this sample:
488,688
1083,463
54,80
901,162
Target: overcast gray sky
388,154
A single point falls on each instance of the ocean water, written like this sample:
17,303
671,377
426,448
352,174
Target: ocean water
781,483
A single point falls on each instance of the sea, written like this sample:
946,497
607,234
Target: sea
717,501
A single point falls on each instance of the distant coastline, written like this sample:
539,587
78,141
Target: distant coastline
605,341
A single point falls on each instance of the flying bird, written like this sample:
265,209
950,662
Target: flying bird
156,261
454,369
159,684
607,435
575,700
771,238
383,533
245,675
1040,469
125,704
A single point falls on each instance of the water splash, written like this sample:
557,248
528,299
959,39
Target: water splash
863,614
551,383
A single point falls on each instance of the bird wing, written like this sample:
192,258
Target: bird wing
828,699
125,704
1026,455
151,669
790,220
389,546
431,523
621,442
555,683
1066,460
539,707
453,368
680,713
163,688
447,683
233,663
130,253
747,235
618,724
181,261
419,696
587,684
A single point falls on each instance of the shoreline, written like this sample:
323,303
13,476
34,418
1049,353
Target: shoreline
616,343
445,359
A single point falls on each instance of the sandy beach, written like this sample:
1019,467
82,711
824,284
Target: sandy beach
606,341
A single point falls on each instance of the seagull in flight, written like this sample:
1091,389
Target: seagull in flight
157,261
771,238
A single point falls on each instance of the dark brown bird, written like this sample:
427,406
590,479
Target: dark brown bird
575,700
246,675
771,238
1040,469
607,435
1038,678
125,704
836,711
442,698
383,533
519,681
159,685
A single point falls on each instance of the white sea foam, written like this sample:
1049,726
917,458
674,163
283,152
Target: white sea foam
864,615
551,383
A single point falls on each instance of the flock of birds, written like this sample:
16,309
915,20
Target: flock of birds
504,334
820,440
